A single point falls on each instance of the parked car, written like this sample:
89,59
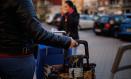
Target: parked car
57,19
108,24
125,28
85,22
95,17
51,18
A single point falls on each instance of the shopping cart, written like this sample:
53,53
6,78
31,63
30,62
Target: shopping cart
67,66
58,63
78,66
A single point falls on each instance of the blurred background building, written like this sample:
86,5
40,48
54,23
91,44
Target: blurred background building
44,7
126,6
114,6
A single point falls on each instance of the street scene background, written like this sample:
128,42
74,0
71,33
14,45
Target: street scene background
102,49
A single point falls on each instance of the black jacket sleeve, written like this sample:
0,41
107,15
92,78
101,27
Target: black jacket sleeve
27,17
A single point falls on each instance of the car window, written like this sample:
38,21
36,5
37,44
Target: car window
57,15
129,16
118,18
104,19
96,18
85,18
127,20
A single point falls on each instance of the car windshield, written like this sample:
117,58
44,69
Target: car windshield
85,17
104,19
118,18
127,20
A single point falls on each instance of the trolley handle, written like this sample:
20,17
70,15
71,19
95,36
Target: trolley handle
59,32
85,43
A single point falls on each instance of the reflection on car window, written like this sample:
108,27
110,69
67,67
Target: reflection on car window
104,19
127,20
118,18
82,17
85,17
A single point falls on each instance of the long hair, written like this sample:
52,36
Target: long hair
70,3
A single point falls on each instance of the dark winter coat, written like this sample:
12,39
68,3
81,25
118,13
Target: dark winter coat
69,23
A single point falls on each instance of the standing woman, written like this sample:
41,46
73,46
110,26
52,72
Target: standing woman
70,20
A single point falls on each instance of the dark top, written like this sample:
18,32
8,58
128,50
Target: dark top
69,23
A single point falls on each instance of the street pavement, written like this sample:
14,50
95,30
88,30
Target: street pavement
102,51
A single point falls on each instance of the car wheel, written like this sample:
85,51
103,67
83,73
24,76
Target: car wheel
116,34
97,33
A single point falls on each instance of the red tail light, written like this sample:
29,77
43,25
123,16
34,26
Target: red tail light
107,26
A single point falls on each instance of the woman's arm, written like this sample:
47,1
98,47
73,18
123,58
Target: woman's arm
27,17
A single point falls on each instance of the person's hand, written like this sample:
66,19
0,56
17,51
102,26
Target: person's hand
73,43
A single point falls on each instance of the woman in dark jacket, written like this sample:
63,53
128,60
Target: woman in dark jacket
70,20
